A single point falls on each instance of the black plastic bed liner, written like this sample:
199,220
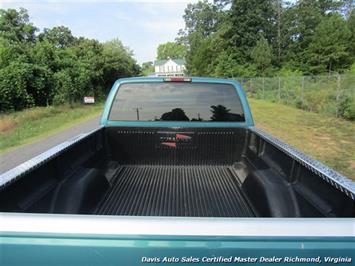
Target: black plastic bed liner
199,191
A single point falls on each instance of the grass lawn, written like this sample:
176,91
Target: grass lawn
327,139
26,126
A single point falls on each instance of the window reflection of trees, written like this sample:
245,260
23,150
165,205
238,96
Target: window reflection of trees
220,113
176,114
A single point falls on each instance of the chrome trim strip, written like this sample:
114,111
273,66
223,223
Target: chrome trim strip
92,225
334,178
22,169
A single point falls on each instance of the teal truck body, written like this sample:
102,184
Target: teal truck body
175,174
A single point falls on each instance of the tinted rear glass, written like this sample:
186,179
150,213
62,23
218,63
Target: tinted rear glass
177,102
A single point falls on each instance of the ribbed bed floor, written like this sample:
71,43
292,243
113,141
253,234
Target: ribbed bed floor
199,191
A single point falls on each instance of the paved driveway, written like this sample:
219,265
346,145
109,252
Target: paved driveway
15,157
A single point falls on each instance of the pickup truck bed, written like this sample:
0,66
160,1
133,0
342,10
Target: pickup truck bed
195,172
169,190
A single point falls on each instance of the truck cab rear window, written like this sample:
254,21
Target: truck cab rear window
204,102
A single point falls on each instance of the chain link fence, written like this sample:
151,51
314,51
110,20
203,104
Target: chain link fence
332,95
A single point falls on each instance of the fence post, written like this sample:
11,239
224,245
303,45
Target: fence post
302,91
279,91
337,96
263,88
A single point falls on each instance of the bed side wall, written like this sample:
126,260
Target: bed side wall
271,177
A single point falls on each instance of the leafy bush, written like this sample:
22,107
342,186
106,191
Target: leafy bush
13,86
347,108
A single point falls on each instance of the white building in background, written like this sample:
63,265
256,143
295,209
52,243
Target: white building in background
169,68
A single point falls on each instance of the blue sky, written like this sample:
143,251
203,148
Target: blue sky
142,25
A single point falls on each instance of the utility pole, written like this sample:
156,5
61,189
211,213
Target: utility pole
137,110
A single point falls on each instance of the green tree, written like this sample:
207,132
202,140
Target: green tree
299,25
227,65
43,58
10,51
249,19
90,64
147,64
147,68
330,46
44,53
171,50
202,17
351,26
13,86
63,87
59,37
15,26
118,62
262,55
200,62
202,20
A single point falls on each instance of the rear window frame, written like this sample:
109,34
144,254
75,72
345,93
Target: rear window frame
171,121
